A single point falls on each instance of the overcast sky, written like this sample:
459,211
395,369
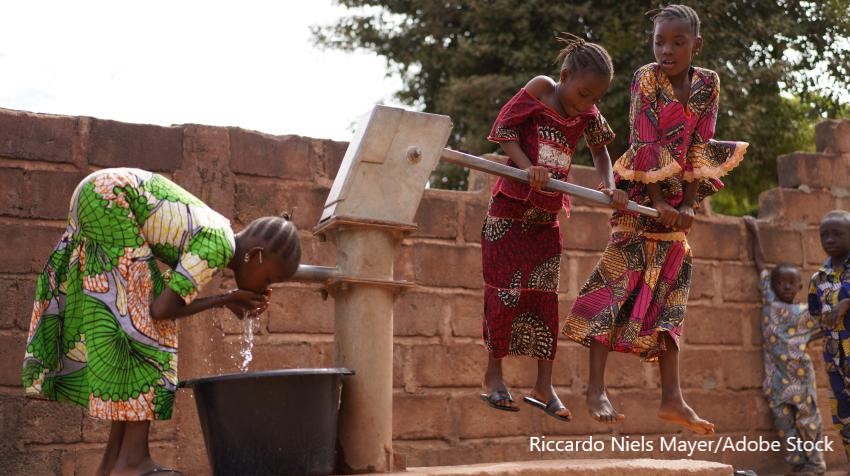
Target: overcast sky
246,63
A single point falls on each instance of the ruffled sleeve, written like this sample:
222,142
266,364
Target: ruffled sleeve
511,117
707,158
598,132
646,160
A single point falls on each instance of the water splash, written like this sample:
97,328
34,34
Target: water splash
247,350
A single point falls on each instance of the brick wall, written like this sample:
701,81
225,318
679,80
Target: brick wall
438,356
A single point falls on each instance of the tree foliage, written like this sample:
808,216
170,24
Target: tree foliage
465,58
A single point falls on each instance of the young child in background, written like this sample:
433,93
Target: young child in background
521,243
103,333
789,378
829,301
634,301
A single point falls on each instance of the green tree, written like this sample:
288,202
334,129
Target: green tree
465,58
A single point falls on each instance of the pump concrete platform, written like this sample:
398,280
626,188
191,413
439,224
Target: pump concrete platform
579,467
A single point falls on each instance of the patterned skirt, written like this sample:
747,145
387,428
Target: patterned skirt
638,291
521,251
91,339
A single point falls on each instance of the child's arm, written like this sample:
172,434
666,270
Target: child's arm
169,305
669,215
602,163
838,313
686,208
758,252
537,175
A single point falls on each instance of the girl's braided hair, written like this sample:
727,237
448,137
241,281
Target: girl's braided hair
580,55
280,236
676,12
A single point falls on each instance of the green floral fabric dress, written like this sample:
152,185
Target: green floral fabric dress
92,341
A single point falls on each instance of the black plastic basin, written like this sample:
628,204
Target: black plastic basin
278,422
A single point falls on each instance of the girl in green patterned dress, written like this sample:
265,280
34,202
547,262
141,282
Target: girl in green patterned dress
103,333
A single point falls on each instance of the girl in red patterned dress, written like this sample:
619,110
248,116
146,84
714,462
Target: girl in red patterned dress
634,301
521,242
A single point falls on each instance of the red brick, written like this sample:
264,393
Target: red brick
403,265
292,355
586,230
568,359
475,419
520,372
255,153
448,266
300,309
421,416
13,197
703,281
740,283
796,206
754,317
95,430
258,198
327,160
82,461
11,425
698,369
716,240
814,170
621,370
192,455
815,255
51,422
474,213
437,215
712,325
228,323
37,193
30,136
205,171
419,314
833,136
743,369
584,176
460,365
400,367
467,315
33,463
482,181
781,246
16,294
12,348
117,144
575,271
315,252
729,411
49,193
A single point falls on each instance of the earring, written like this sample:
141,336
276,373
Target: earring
261,257
247,258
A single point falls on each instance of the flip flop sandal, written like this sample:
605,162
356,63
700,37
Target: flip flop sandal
170,471
497,396
550,408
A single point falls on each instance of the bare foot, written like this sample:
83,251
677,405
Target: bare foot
681,414
601,409
547,397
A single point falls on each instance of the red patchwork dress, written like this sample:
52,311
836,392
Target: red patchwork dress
521,240
640,287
